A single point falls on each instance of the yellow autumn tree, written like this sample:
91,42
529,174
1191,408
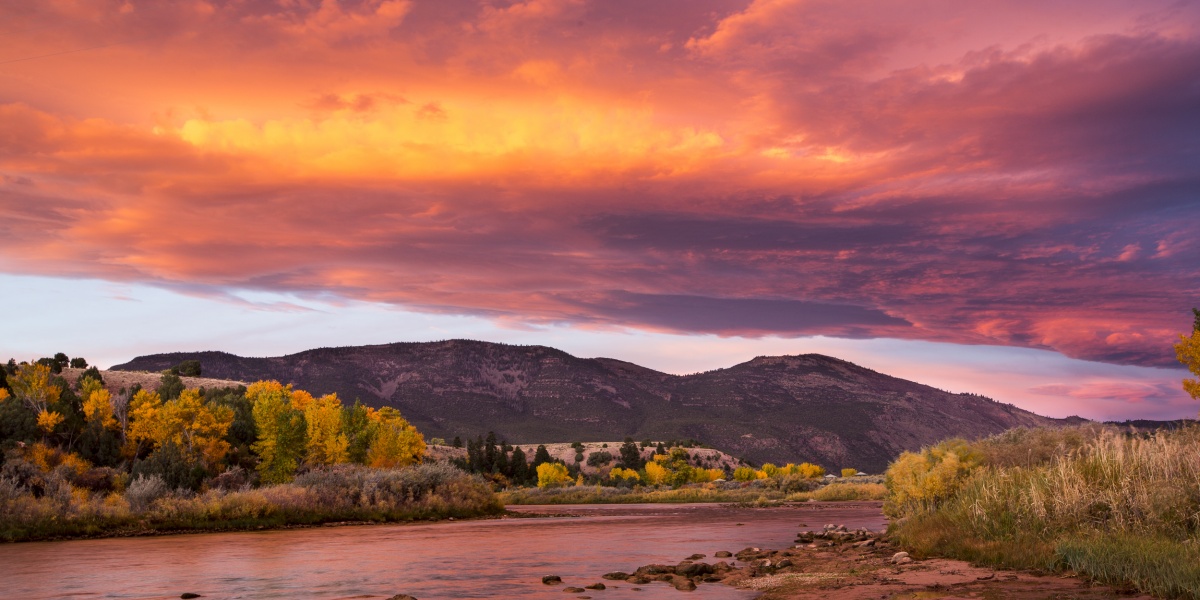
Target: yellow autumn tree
626,474
97,403
196,428
552,475
32,385
810,471
300,399
281,431
745,474
1188,353
655,473
145,422
396,443
327,443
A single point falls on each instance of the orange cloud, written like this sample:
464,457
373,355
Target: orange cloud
930,170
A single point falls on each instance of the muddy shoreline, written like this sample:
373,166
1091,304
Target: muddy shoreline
833,561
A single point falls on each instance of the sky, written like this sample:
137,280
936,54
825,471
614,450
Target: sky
999,198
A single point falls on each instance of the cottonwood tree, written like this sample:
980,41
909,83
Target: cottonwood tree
327,444
396,443
32,385
281,431
1188,353
186,423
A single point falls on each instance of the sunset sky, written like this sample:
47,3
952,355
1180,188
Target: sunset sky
1000,198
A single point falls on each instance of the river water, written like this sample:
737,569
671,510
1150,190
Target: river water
501,558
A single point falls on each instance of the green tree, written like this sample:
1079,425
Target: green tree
79,363
170,386
50,363
356,424
32,386
489,453
93,373
187,368
631,455
242,433
280,429
519,466
17,422
541,456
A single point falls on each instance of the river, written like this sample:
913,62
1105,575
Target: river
501,558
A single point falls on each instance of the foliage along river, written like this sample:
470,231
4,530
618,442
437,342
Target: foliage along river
500,558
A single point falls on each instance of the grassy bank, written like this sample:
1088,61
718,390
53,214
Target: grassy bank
1120,508
51,507
700,493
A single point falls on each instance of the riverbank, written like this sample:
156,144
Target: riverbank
853,565
732,493
342,495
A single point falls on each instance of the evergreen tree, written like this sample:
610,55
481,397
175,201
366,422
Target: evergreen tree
170,386
92,372
489,453
474,458
541,456
519,467
79,362
631,456
457,443
501,464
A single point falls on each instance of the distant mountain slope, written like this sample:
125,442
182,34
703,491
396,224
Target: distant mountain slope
783,408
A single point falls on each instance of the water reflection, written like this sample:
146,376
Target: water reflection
466,559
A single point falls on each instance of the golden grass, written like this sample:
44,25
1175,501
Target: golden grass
1120,508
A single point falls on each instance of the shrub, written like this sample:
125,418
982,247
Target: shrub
849,472
919,481
143,491
552,474
232,478
597,459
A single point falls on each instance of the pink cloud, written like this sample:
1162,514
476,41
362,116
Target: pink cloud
928,171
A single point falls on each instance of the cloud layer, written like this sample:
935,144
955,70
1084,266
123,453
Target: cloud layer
1016,174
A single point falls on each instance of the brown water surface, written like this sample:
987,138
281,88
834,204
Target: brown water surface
465,559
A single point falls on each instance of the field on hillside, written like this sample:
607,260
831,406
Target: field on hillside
116,381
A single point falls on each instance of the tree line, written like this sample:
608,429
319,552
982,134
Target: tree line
266,432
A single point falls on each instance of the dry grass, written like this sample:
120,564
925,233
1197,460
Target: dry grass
1121,508
342,493
838,492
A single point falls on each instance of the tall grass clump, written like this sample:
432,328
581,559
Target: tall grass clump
842,492
1119,507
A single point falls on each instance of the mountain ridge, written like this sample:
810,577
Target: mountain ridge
790,408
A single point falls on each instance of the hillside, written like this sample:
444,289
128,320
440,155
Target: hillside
785,408
116,381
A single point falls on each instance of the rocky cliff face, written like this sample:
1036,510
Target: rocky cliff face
780,409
